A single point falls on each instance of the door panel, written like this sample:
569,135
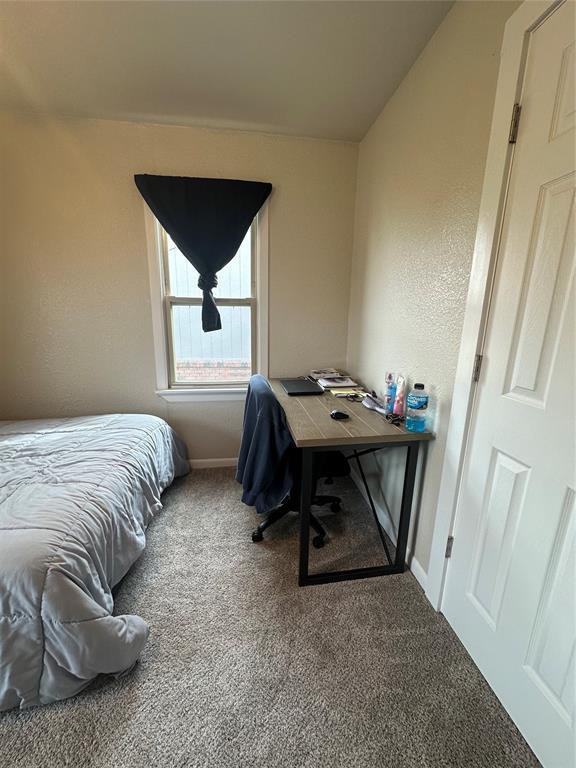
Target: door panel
563,118
550,657
505,492
510,587
547,283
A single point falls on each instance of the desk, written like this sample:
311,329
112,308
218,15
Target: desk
365,431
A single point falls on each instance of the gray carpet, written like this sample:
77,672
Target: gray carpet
243,668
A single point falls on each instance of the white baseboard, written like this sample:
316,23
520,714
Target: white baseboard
211,463
418,572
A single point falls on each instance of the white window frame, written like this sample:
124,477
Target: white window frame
161,303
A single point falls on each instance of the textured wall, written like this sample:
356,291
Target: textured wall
420,173
75,321
75,326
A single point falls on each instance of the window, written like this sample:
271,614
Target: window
190,363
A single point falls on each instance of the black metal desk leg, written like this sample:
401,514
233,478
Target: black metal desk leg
406,507
305,499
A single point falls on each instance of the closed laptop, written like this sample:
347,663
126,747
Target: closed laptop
301,386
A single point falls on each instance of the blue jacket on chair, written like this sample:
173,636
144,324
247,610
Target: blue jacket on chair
267,449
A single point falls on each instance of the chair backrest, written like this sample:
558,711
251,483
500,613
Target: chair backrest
261,394
266,450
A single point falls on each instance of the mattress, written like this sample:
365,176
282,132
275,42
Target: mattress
76,497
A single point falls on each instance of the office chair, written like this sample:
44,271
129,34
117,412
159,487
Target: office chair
329,464
269,463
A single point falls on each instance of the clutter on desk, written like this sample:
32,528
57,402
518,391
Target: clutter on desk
416,406
396,406
374,404
344,392
390,395
324,373
394,399
400,399
337,381
330,378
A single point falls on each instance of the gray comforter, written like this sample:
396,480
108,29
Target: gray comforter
76,496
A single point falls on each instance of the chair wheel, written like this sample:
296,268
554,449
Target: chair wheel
318,542
257,535
335,506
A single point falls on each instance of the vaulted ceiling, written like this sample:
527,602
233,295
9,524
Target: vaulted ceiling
321,69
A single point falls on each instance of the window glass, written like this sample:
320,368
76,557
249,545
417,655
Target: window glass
216,357
234,280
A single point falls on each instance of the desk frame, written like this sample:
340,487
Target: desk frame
307,465
313,431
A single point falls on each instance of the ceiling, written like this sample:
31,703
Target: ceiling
321,69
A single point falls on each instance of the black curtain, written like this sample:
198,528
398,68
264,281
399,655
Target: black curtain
207,219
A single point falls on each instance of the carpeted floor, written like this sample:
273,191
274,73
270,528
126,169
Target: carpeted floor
243,668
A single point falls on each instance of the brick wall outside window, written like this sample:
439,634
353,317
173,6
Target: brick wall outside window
202,370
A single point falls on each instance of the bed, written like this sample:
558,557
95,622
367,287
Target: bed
76,497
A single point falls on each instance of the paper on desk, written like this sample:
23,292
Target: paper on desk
324,373
337,381
374,404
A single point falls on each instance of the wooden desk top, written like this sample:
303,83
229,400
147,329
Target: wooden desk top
311,426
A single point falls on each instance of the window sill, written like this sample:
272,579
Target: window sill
203,395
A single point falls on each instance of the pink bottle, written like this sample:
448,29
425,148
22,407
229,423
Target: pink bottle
400,401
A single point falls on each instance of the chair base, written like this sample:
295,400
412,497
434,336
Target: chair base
281,511
334,501
271,518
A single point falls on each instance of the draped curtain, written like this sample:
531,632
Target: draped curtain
207,219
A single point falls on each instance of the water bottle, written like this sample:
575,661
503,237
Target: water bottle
390,395
416,405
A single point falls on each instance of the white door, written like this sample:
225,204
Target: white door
510,588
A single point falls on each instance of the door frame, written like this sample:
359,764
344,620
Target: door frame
492,203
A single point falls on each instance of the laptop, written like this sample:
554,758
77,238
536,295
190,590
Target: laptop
302,386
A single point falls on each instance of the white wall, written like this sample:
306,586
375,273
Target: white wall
75,320
420,172
75,323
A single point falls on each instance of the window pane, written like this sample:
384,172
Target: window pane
223,355
234,280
